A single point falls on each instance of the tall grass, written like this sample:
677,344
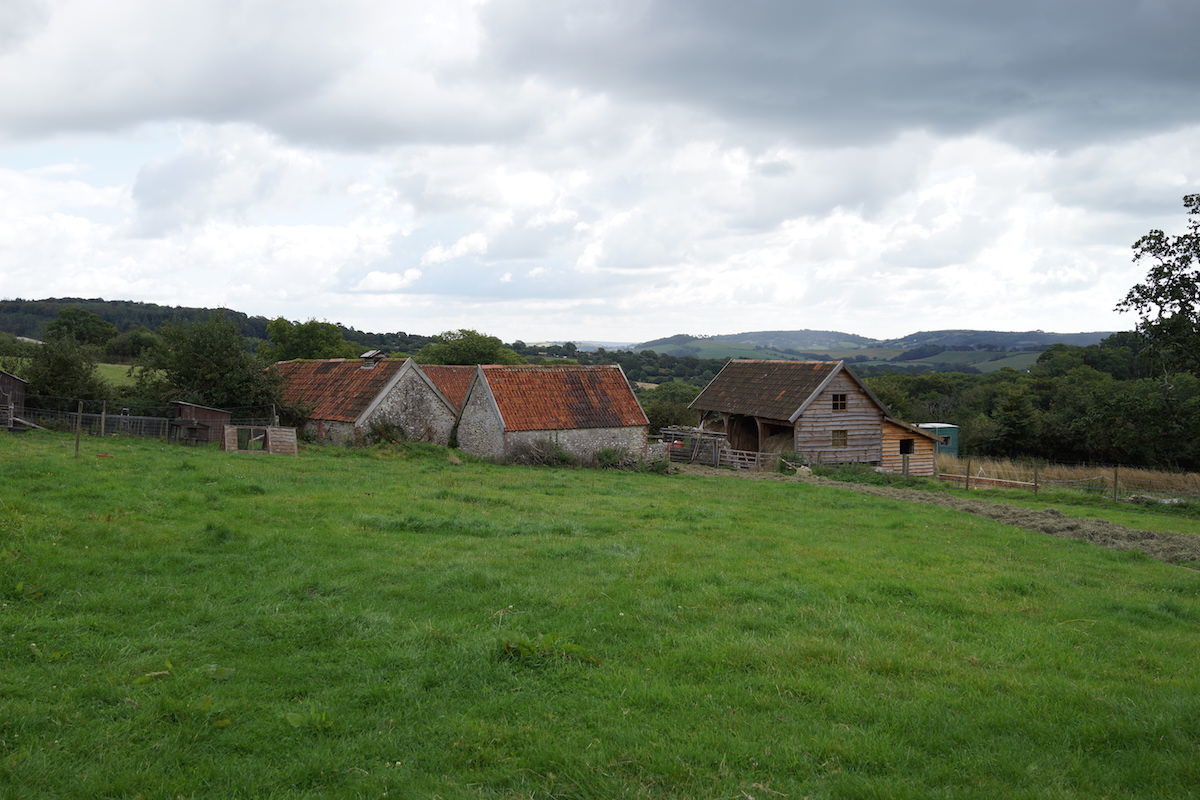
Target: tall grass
1080,477
388,622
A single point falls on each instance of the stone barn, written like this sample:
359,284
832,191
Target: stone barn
452,381
581,408
345,397
12,397
819,410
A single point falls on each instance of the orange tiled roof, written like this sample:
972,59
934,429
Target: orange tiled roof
536,398
338,389
451,381
770,389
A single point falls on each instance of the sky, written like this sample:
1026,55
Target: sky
614,171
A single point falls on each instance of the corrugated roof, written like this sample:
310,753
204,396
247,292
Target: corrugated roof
537,398
452,381
759,388
338,389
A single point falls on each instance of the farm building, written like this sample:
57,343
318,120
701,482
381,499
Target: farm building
452,381
817,409
909,449
946,433
345,397
12,397
581,408
194,423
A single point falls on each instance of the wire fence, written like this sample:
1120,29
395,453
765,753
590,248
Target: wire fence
97,418
1115,480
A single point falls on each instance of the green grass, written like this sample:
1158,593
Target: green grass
181,622
115,374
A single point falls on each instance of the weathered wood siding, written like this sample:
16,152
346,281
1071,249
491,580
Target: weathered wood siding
862,420
921,462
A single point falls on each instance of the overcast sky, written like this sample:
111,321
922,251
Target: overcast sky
615,170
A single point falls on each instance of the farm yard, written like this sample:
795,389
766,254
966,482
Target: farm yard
401,621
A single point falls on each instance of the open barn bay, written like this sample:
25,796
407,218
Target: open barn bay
385,622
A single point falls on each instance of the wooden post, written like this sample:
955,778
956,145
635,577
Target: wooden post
968,480
1035,478
103,416
78,427
905,457
274,416
1116,477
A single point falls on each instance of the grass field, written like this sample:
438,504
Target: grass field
115,374
181,622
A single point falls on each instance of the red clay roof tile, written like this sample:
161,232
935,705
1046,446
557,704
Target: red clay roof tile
452,381
338,389
540,398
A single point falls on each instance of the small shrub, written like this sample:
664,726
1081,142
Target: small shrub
543,453
384,432
545,649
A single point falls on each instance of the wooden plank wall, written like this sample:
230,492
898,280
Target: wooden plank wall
921,462
862,420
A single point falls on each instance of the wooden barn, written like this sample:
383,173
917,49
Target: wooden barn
581,408
909,449
195,423
12,398
345,397
819,410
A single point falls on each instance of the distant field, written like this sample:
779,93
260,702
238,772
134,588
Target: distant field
182,622
116,374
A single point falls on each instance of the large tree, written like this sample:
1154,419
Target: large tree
206,363
64,369
466,346
81,325
1168,301
310,339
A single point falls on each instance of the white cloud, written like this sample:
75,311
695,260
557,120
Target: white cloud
376,281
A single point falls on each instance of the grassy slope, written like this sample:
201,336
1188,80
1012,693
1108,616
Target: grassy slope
179,621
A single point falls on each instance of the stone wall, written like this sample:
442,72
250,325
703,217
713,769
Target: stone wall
323,430
579,442
412,406
479,427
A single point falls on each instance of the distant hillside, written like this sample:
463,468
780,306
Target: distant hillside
1009,340
30,317
952,350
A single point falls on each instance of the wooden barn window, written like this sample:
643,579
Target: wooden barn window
839,402
907,447
840,438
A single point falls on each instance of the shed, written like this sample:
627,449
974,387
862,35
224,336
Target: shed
195,423
947,433
581,408
345,397
908,449
12,397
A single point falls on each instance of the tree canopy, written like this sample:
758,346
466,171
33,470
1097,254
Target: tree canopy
465,346
312,339
80,325
1168,301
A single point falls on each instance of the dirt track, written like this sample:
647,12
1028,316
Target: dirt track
1174,548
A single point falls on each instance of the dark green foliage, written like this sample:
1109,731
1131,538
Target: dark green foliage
82,326
312,339
543,453
206,363
466,347
618,458
131,344
63,368
1168,302
667,404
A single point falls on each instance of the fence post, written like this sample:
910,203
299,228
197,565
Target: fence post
1116,477
967,482
103,416
78,427
1035,478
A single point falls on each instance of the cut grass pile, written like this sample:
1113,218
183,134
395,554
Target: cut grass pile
183,622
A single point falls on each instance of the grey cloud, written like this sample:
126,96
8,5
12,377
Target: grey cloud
1037,72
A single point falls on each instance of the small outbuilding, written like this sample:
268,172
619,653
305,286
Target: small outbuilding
582,409
909,449
196,424
12,397
345,397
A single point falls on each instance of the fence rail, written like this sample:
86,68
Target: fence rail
100,424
